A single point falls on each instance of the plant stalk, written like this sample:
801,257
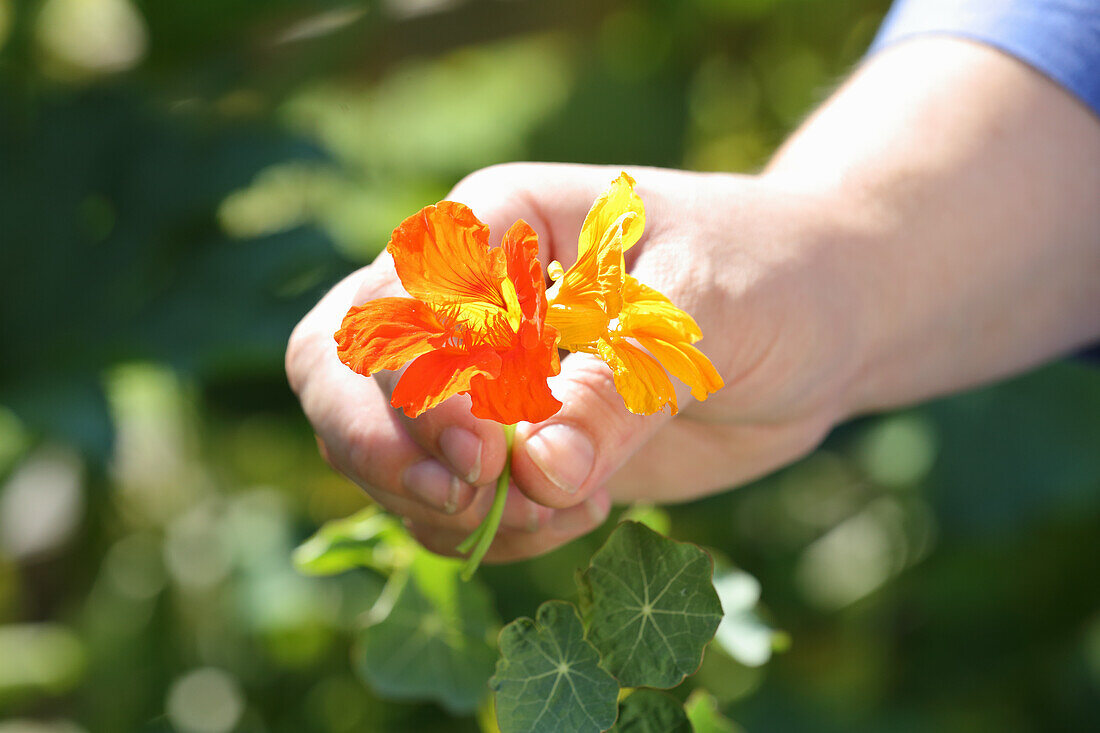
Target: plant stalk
482,537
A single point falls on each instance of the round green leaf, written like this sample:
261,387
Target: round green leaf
433,643
650,607
548,677
649,711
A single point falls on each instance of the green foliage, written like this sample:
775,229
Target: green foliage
367,539
649,606
177,216
650,711
128,262
639,589
431,638
548,677
427,636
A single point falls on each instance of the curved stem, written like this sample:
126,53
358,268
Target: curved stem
482,537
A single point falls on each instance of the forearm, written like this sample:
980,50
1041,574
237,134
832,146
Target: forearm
965,197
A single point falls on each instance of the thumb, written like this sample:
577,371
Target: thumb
564,460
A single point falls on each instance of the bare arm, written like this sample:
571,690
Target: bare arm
971,186
935,225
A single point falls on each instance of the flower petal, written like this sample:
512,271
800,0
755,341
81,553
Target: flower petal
643,384
520,391
687,364
521,251
438,375
443,258
386,333
646,311
581,323
614,223
618,213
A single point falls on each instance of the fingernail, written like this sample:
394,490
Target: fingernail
432,483
462,449
564,454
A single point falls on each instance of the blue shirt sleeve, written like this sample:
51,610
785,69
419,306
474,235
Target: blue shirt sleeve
1060,38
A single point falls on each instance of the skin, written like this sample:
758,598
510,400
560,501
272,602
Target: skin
933,226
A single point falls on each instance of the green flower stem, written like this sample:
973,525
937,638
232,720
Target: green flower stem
482,537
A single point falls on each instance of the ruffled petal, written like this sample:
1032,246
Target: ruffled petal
687,364
521,251
442,257
439,375
387,333
520,391
642,382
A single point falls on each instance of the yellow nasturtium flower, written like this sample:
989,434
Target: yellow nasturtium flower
599,308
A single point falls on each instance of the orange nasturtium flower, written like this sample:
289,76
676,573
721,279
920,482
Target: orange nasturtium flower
601,309
476,323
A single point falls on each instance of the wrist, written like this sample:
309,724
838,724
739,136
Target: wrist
831,302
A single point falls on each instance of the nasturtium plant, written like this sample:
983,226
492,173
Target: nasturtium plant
429,634
431,639
650,711
370,538
549,678
649,606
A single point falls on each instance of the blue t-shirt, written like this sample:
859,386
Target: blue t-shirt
1060,38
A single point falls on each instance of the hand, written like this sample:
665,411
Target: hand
735,252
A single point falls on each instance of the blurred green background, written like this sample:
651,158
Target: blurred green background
179,181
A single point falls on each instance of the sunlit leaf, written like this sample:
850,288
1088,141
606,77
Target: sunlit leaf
429,639
702,710
548,677
649,606
650,711
369,538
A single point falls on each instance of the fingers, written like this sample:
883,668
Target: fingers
473,449
553,198
363,438
436,469
511,545
365,441
562,461
360,434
